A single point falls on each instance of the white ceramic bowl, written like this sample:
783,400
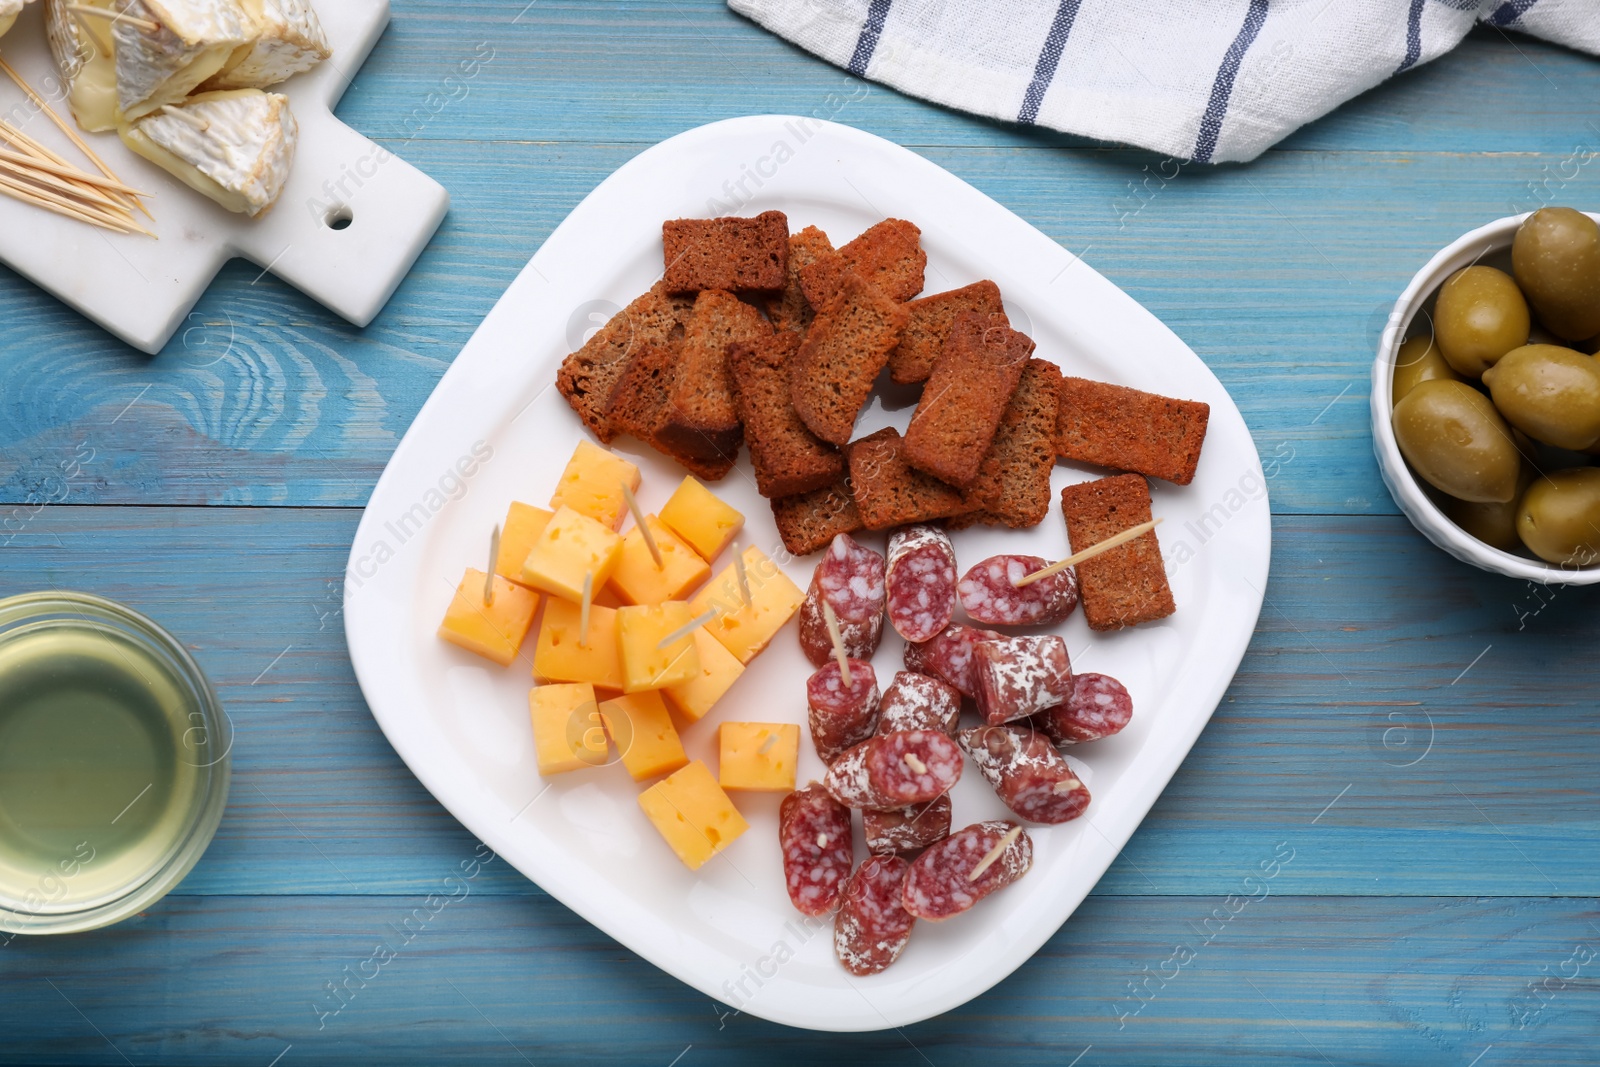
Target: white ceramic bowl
1491,245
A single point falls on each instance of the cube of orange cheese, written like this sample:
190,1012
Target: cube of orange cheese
570,546
637,579
592,484
568,733
494,630
693,813
559,655
524,523
642,730
718,671
746,628
641,629
701,518
758,755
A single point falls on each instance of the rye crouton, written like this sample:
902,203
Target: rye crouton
962,404
831,376
734,254
701,418
586,377
1125,429
788,458
1013,483
810,521
888,491
790,310
887,255
931,318
639,404
1127,585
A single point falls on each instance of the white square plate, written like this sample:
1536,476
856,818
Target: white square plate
496,430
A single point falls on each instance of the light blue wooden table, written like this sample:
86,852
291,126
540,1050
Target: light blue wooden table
1420,737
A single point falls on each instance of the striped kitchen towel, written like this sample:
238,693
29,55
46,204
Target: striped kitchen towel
1208,80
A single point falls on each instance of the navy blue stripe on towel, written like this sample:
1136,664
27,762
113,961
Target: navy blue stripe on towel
1413,36
1509,12
867,43
1044,71
1222,88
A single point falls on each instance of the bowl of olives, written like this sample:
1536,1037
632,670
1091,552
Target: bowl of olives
1486,398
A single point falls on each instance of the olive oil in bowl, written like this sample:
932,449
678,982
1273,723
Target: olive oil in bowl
113,762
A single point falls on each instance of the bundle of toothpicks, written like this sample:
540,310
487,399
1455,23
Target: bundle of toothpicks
36,175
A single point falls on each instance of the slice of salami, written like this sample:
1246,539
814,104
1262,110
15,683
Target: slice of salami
948,656
917,702
1098,707
841,715
873,926
906,829
814,832
1017,676
988,595
850,578
940,883
895,770
1027,772
921,581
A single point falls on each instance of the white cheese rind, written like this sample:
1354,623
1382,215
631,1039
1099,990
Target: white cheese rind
242,156
193,40
289,40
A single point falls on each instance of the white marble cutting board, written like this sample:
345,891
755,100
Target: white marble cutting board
142,289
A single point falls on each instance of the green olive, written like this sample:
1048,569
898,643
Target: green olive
1457,442
1550,393
1559,519
1493,524
1419,360
1556,258
1480,316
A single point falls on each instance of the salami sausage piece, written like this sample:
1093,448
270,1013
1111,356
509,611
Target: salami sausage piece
895,770
1027,772
1098,707
989,596
940,883
873,926
841,715
1017,676
906,829
850,578
921,581
814,831
917,702
948,656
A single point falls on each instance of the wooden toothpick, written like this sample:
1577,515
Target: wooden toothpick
494,560
583,611
740,573
685,630
838,641
39,176
994,854
766,746
644,527
81,177
1089,553
115,16
63,206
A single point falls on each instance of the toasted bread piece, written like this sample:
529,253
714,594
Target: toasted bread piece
810,521
1013,483
1127,585
788,458
639,404
735,254
587,376
832,374
887,255
888,491
971,518
1125,429
790,310
701,418
929,326
961,406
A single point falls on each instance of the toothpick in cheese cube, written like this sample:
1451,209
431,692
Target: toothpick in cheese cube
570,547
745,628
564,654
641,629
494,631
692,812
758,756
638,580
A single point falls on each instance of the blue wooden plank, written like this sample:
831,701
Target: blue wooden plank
1434,711
1188,979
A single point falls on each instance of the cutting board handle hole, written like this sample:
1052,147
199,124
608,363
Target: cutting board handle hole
339,218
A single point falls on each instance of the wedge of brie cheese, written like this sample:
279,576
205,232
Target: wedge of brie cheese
9,10
288,40
192,40
83,52
235,145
